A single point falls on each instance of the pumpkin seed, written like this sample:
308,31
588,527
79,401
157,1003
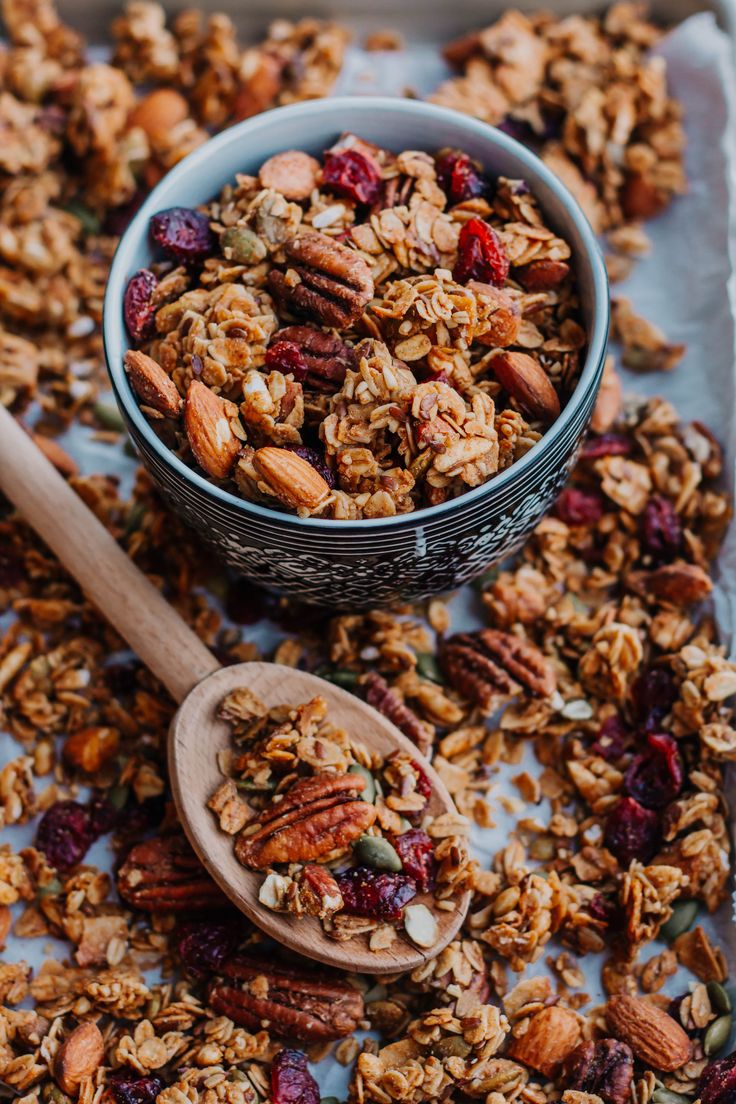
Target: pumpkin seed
718,997
242,245
330,1100
346,679
717,1035
378,853
404,824
89,220
109,416
683,915
667,1096
487,579
51,889
369,793
453,1046
428,667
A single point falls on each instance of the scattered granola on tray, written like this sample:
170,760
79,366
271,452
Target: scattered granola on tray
341,834
357,337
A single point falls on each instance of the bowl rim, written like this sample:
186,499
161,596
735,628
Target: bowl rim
113,330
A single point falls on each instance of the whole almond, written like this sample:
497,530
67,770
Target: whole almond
210,435
291,478
159,112
654,1037
151,384
78,1057
551,1036
527,382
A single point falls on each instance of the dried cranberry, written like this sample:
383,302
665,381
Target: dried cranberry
380,896
102,815
138,311
351,174
480,255
601,909
318,462
128,1087
661,529
612,735
320,359
424,786
652,696
459,177
204,945
578,507
632,832
416,852
291,1081
65,834
286,356
183,233
717,1084
655,777
605,444
604,1068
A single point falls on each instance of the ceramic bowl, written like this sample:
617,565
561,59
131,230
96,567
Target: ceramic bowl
354,565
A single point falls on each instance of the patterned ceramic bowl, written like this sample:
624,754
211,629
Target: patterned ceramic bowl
353,565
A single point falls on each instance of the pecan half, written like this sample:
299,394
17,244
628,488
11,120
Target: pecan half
379,694
488,663
316,816
324,279
605,1068
164,875
325,356
298,1004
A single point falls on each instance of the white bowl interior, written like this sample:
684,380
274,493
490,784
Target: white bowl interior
396,124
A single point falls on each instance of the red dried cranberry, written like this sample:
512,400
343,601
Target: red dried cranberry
578,507
64,834
717,1084
291,1081
416,851
652,696
204,945
128,1087
632,832
459,177
655,777
183,233
605,444
661,529
424,786
286,356
351,174
102,815
138,310
480,255
601,909
612,735
318,463
380,896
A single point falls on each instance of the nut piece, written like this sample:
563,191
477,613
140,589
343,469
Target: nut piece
542,275
551,1036
151,384
292,173
78,1057
604,1068
680,584
292,479
527,382
499,315
316,816
211,438
159,112
485,664
298,1004
654,1037
323,279
90,748
379,694
164,875
327,357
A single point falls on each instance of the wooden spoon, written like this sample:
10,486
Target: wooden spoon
195,680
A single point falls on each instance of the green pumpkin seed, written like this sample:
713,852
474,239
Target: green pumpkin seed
51,889
682,918
118,796
346,679
453,1046
667,1096
376,852
718,996
109,416
404,824
242,246
369,793
428,667
330,1100
717,1035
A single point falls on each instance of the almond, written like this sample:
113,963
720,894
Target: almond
292,479
210,435
159,112
292,173
527,382
78,1057
655,1038
151,384
551,1036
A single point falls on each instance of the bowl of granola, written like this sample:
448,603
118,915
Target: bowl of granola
357,344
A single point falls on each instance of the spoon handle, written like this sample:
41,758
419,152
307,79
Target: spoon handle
111,581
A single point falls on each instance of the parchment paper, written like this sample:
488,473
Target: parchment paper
687,286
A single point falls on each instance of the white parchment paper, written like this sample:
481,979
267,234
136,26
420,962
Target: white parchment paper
687,286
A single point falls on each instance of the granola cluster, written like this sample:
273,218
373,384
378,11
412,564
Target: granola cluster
342,835
357,337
